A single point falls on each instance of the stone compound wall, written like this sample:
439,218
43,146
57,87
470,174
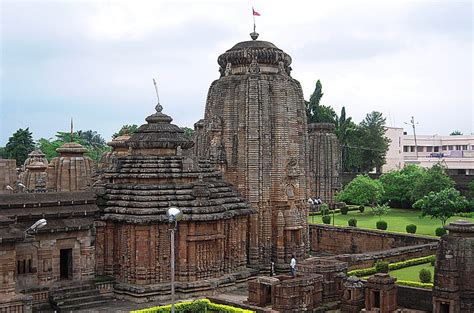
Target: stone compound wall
414,298
345,240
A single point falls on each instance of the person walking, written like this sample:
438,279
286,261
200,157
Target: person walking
293,266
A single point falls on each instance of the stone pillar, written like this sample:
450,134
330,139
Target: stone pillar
353,299
453,289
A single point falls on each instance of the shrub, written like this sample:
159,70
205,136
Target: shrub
381,267
200,305
352,222
433,261
393,266
361,209
344,210
361,190
326,219
425,275
415,284
411,228
382,225
324,209
440,231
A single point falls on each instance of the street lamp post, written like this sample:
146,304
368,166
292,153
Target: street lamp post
174,215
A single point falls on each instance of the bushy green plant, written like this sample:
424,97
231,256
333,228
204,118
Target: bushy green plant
433,261
382,225
381,267
411,228
325,209
433,180
392,266
362,190
440,231
361,208
352,222
398,185
380,210
326,219
442,205
425,275
344,210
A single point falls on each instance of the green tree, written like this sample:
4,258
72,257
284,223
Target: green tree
399,185
3,153
19,145
455,133
374,145
317,113
441,205
188,132
130,129
362,190
433,179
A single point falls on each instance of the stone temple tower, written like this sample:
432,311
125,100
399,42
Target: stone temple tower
255,130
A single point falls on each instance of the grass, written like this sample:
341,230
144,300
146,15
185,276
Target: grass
411,273
397,220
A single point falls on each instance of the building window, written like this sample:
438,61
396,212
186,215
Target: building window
24,266
450,148
464,147
412,148
436,149
420,149
458,147
405,148
445,148
429,149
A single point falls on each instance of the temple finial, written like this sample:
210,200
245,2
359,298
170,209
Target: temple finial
158,107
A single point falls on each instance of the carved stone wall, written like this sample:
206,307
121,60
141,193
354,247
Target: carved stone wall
255,130
8,176
454,270
324,162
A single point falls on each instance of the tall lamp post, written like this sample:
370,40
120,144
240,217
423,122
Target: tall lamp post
174,215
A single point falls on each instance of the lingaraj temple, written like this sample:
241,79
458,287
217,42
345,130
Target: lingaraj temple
242,183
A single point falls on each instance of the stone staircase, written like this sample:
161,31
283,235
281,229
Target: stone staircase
79,296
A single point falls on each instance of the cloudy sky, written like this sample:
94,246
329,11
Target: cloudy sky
95,60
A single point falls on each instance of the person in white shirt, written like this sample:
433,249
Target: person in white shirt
293,266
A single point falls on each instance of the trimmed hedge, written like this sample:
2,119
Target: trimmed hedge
352,222
200,305
326,219
344,210
440,231
425,275
411,228
382,225
415,284
361,209
392,266
381,267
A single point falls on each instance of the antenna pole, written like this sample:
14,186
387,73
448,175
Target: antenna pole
72,130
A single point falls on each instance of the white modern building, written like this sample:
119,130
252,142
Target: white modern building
456,153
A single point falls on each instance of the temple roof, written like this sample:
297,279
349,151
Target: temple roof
159,133
72,148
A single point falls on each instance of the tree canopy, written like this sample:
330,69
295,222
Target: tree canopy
19,145
442,205
399,185
130,129
433,179
456,133
362,190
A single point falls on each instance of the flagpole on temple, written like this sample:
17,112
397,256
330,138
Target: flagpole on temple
254,34
253,15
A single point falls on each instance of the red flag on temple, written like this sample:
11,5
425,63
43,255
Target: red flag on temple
255,13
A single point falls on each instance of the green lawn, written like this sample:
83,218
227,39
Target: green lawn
410,273
397,220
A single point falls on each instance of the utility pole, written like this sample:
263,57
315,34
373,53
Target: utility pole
412,122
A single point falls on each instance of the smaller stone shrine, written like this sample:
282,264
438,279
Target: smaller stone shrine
454,270
119,148
333,272
380,294
324,162
71,171
353,299
35,175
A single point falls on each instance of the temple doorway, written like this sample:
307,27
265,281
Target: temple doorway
65,264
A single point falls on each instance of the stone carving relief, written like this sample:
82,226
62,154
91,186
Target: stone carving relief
228,69
292,167
253,67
